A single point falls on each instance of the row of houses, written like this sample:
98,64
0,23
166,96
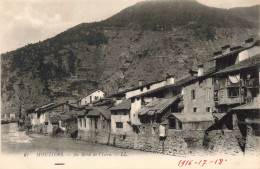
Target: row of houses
182,112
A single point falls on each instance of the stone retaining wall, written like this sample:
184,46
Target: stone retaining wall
177,142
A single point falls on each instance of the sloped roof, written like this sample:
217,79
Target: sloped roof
105,112
55,119
237,50
54,106
254,105
100,110
124,105
181,82
157,106
135,88
250,62
93,112
195,117
65,117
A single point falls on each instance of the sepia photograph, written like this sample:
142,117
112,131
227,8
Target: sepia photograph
130,84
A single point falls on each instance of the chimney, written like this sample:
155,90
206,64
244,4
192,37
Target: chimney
249,42
140,82
200,70
169,79
225,49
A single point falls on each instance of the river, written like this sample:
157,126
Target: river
14,141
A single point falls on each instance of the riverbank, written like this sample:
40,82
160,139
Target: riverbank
18,142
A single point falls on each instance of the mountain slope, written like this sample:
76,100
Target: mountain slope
144,41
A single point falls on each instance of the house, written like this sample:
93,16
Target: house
247,116
41,116
154,114
142,88
230,56
95,96
142,96
120,117
197,101
236,85
99,119
94,124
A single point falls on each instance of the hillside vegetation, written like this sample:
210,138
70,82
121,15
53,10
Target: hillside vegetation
144,41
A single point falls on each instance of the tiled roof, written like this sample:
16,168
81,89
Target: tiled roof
180,82
100,110
93,112
65,117
105,112
55,119
124,105
250,62
195,117
135,88
54,106
237,50
157,106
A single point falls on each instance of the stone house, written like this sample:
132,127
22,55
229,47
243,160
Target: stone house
155,115
142,89
41,116
229,56
236,85
95,125
196,101
95,96
120,118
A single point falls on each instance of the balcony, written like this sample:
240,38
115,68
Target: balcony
252,83
230,100
234,84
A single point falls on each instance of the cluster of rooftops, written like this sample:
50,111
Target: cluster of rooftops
101,106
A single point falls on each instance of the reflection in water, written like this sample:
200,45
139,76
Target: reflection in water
11,135
14,141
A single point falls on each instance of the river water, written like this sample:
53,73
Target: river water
14,141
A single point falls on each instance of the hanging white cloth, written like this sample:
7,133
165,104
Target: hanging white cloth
234,78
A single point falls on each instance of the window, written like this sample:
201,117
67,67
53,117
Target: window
80,123
85,123
148,87
142,89
233,92
96,123
90,98
180,125
195,109
132,100
192,94
207,94
208,109
138,98
119,125
172,123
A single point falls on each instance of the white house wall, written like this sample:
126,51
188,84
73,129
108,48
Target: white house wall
120,118
248,53
87,100
138,91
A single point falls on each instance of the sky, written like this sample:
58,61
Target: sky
30,21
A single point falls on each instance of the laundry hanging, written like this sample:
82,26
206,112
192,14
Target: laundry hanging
234,78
